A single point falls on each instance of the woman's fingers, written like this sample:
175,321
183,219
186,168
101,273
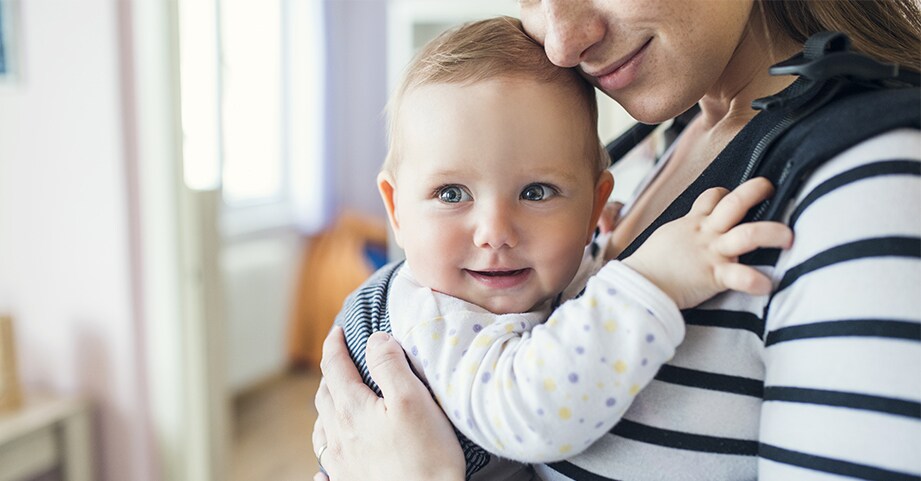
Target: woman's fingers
388,367
343,382
319,435
745,238
731,209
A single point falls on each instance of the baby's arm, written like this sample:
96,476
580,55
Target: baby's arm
696,256
544,394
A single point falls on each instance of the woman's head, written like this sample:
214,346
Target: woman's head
671,54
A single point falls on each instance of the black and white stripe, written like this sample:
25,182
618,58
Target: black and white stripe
822,379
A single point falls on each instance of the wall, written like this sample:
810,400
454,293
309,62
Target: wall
356,95
65,262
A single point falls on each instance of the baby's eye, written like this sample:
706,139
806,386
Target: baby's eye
538,192
452,194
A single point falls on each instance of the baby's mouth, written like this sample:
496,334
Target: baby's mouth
500,278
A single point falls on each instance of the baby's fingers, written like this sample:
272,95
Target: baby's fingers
707,200
742,278
732,208
745,238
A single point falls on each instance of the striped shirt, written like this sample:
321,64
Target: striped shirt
821,379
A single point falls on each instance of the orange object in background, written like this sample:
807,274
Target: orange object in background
335,264
10,389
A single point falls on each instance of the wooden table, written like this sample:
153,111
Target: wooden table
46,434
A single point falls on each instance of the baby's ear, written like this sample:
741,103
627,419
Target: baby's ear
603,188
387,188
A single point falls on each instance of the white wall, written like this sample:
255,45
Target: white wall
259,274
65,261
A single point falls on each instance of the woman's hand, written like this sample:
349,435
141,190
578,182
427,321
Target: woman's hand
402,436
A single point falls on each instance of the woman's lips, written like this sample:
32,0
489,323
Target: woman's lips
500,279
623,72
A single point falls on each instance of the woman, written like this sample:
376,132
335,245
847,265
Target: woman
818,380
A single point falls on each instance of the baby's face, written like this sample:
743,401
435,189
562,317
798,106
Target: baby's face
494,196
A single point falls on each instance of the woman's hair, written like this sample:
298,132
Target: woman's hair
888,30
483,50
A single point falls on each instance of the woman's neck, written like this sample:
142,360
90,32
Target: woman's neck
727,105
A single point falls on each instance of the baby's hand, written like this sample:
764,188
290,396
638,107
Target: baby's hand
696,257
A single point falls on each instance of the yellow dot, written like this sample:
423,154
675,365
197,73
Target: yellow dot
566,448
473,368
453,340
482,341
565,413
585,397
549,385
540,362
600,385
436,335
593,302
439,318
620,366
610,326
450,390
634,389
509,327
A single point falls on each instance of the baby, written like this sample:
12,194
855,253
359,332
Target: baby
493,185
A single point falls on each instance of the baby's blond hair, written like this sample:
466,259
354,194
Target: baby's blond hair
489,49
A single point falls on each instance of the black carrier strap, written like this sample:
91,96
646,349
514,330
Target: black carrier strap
840,99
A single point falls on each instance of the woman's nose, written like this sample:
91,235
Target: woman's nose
571,29
495,228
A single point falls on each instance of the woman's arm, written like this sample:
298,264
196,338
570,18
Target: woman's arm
403,436
842,390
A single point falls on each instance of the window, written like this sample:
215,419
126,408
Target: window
251,109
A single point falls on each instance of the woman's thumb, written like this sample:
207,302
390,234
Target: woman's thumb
388,367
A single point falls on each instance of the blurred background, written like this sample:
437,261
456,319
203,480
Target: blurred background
186,196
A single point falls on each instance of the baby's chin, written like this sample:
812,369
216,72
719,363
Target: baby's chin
509,305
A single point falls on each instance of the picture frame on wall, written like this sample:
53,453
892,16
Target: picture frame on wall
9,71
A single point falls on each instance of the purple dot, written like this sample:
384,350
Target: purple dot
523,325
477,328
612,291
486,377
580,350
610,402
581,420
644,361
604,360
457,413
650,338
425,363
573,377
586,328
540,412
471,424
518,438
452,332
415,351
599,425
437,376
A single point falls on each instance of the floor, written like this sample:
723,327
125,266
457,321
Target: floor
272,431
